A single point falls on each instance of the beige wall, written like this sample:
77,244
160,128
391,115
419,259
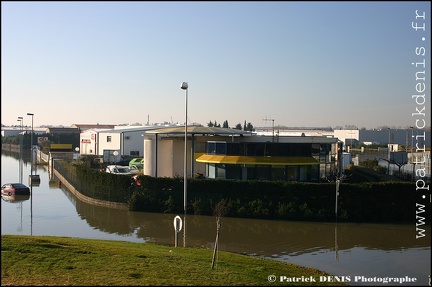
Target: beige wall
149,157
165,158
170,159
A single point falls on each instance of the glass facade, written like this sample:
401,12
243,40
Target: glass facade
325,155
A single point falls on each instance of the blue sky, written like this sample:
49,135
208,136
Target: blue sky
306,64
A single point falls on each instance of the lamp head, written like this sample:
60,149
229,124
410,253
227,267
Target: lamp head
184,86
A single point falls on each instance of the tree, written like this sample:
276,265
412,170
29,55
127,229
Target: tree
225,124
238,127
219,211
249,127
210,124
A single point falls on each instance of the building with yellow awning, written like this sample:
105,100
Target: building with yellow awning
223,153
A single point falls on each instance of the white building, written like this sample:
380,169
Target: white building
126,140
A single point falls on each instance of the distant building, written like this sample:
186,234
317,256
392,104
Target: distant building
14,131
126,140
403,137
84,127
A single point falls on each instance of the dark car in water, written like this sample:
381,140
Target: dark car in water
15,189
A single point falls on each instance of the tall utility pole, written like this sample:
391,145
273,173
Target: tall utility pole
266,120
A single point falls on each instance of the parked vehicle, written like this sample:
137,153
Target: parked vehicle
137,161
15,189
119,169
137,167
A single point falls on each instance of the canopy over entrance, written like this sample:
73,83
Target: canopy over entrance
257,160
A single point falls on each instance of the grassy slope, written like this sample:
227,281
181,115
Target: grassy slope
48,260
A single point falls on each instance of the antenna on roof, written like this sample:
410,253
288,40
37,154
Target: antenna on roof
266,120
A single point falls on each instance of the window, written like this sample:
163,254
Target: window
214,147
220,171
263,172
292,173
211,148
233,171
233,148
278,173
108,139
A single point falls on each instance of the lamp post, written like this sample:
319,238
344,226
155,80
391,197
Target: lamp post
31,146
115,153
31,177
389,138
184,86
20,119
77,152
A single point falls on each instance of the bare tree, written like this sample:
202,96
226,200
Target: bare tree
219,211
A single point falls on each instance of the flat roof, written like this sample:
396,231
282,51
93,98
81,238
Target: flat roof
199,130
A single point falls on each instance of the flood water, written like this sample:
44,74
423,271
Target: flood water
371,251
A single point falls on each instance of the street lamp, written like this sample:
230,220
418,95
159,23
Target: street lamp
184,86
77,152
31,177
31,146
115,153
389,137
20,119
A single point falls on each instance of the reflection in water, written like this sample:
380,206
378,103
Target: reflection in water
15,198
336,243
261,237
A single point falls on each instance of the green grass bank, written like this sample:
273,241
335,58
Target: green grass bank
49,261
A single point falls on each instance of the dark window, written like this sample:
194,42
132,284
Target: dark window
216,148
315,149
233,148
263,172
233,171
278,173
221,148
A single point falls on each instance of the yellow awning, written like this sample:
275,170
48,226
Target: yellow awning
259,160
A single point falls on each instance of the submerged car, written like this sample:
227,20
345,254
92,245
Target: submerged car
119,169
15,189
15,198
